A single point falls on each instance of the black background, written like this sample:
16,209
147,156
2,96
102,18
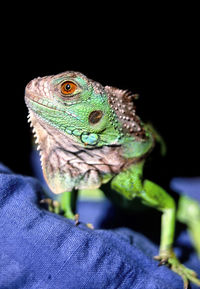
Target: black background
155,55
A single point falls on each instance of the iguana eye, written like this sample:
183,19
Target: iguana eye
68,87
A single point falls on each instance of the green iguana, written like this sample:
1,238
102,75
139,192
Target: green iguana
89,135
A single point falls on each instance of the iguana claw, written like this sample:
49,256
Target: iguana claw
169,259
90,226
53,205
76,218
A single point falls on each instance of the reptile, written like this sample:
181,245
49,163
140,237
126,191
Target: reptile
90,135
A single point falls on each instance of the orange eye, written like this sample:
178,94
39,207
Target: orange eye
68,87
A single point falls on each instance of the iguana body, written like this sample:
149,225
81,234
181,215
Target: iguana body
89,135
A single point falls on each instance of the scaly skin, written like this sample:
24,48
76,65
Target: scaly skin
89,135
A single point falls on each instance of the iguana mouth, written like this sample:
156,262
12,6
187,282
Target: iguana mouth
35,102
29,97
37,92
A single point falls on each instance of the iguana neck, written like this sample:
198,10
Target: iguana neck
66,165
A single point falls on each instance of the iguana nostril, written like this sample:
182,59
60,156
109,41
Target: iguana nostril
95,116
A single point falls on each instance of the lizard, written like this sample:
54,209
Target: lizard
90,135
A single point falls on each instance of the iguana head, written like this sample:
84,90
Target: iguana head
86,133
83,109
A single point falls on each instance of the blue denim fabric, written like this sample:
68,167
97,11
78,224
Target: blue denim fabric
40,250
187,186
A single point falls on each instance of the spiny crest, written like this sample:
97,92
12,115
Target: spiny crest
36,139
121,102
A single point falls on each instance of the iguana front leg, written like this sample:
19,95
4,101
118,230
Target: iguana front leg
189,214
129,183
166,205
68,204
